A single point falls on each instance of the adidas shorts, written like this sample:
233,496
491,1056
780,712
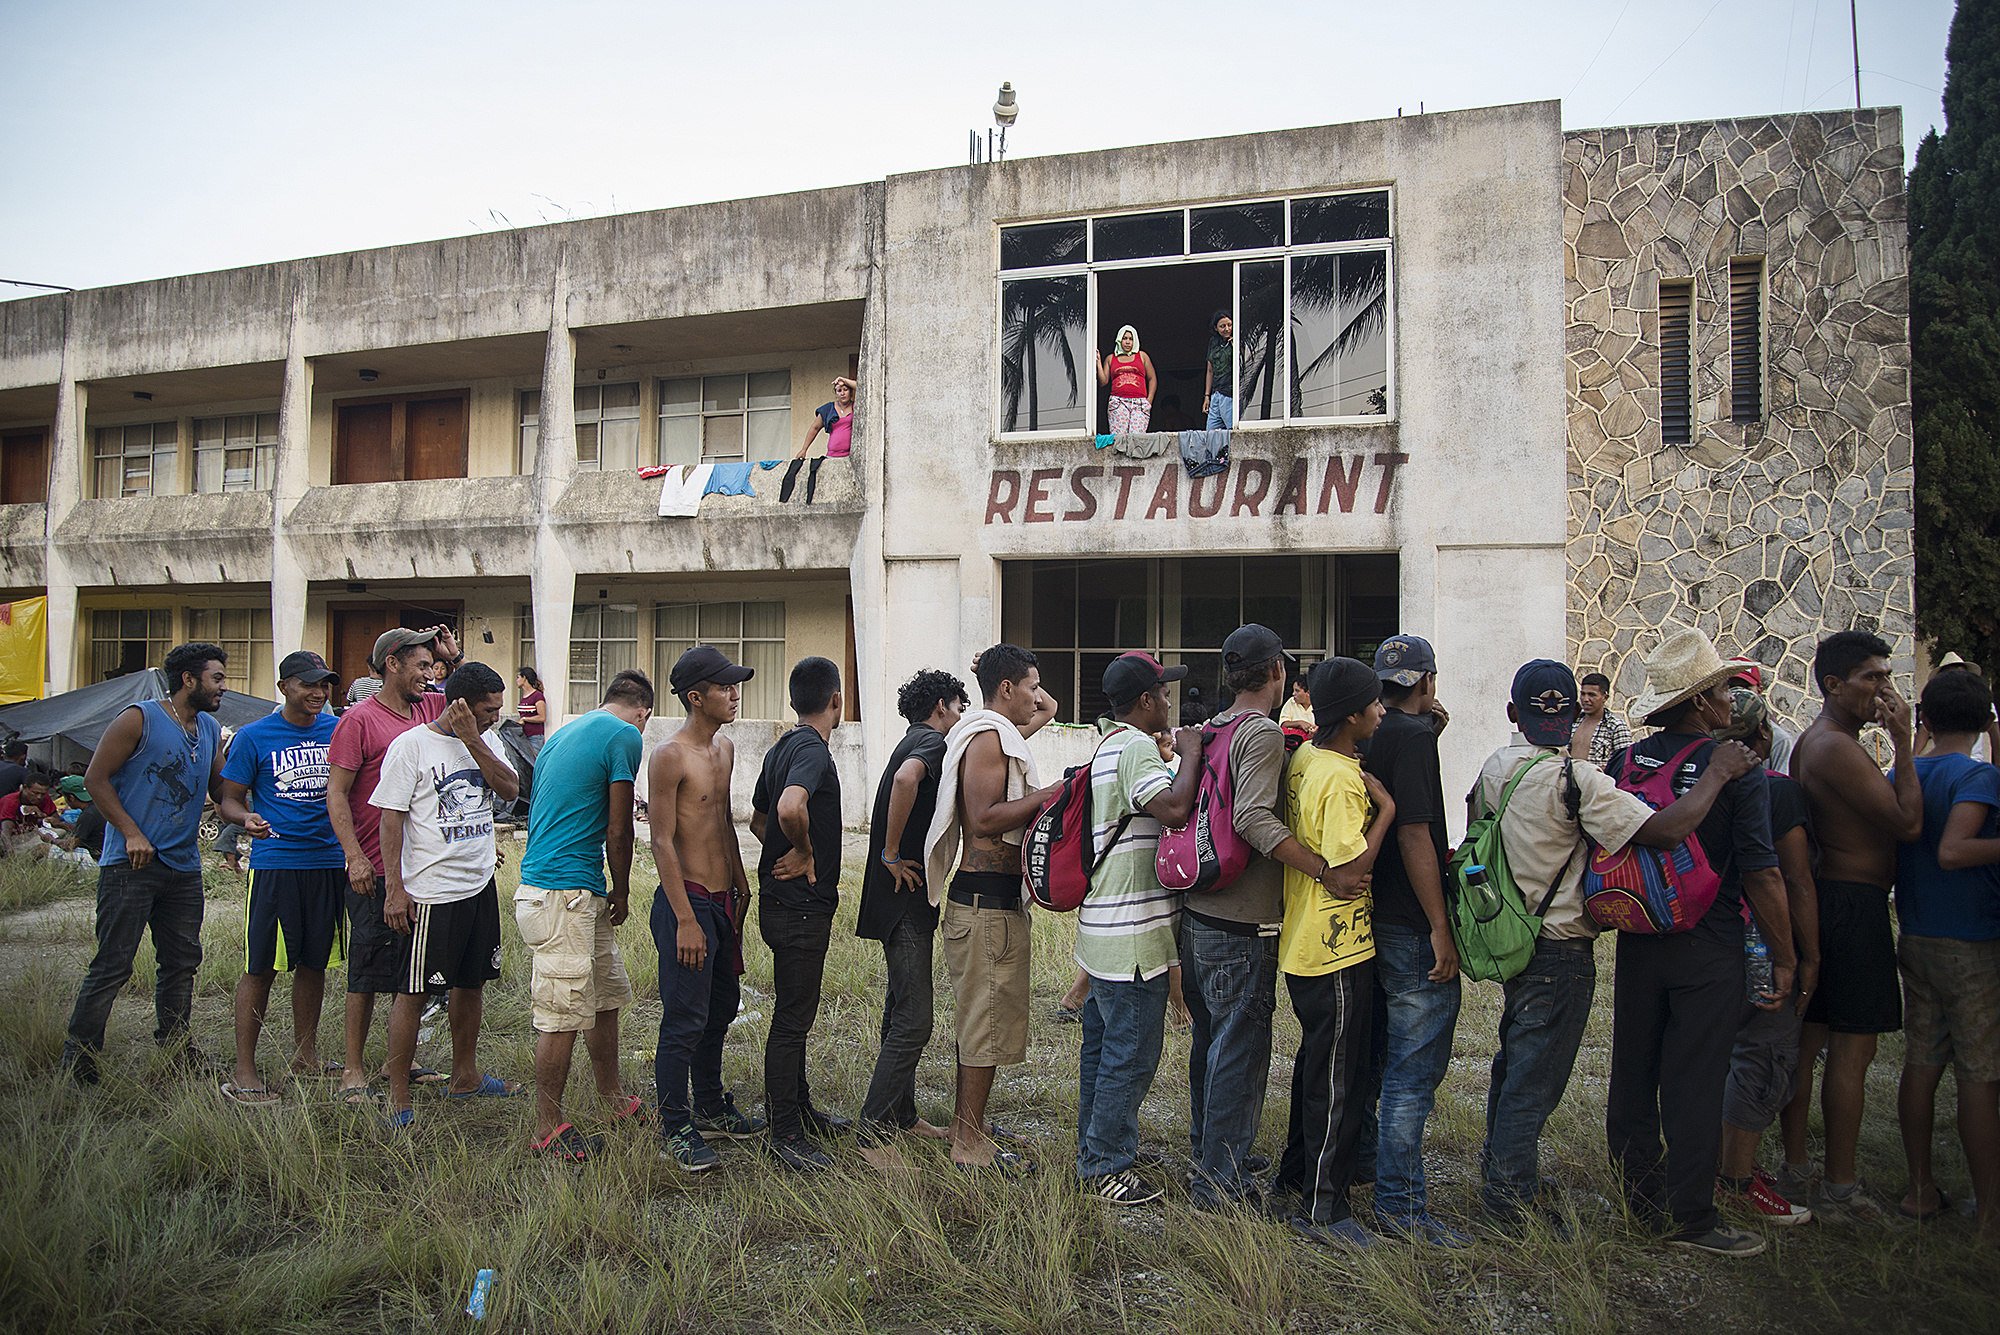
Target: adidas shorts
456,944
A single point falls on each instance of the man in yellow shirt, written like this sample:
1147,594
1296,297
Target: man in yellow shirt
1326,949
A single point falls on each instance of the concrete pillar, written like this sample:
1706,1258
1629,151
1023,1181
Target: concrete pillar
67,453
289,582
552,575
867,578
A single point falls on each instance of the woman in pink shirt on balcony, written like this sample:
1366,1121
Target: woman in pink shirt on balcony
836,419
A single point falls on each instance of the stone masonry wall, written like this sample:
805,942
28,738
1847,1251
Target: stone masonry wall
1766,535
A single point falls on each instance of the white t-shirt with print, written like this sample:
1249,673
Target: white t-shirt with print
448,850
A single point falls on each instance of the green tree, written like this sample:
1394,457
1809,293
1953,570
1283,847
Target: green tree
1955,348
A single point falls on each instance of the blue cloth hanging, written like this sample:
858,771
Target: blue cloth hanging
729,480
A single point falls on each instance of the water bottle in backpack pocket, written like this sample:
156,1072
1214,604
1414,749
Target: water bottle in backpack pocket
1650,891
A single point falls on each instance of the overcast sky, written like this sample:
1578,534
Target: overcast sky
141,139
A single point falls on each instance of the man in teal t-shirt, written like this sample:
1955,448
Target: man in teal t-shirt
579,820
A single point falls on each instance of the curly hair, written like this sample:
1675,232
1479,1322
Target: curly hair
918,697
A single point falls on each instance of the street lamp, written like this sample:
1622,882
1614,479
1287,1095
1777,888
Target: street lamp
1005,111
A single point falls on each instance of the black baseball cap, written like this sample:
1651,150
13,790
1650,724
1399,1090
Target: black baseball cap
1404,659
1129,676
309,668
1251,646
1545,702
703,663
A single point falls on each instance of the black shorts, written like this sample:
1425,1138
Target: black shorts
295,919
1859,990
378,956
455,944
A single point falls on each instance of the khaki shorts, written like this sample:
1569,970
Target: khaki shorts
986,953
577,971
1951,1004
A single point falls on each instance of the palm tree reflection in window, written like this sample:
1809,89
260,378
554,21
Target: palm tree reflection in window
1041,335
1340,351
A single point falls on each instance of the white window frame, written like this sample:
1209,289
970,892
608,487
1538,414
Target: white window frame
262,445
240,639
1091,267
701,414
161,441
159,635
732,647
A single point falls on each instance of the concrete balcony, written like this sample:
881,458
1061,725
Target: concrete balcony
219,538
443,528
610,523
23,545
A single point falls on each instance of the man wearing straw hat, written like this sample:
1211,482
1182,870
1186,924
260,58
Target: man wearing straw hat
1678,997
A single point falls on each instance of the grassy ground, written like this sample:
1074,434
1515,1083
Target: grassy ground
150,1204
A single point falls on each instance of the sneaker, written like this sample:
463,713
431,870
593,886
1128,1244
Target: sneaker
1855,1206
729,1122
800,1154
823,1124
1763,1199
1424,1227
1795,1181
1149,1156
690,1153
1723,1240
1347,1232
1124,1187
80,1065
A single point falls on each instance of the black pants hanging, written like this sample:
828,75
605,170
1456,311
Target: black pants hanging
792,479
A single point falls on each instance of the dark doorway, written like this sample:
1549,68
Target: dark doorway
1168,306
354,628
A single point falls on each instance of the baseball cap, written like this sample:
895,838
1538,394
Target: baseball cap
71,786
1129,676
703,663
1545,702
1404,659
1748,671
1250,646
309,668
394,642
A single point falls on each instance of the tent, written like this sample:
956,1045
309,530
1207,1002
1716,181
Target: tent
65,729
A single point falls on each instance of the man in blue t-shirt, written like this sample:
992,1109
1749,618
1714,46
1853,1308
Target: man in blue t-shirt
274,786
580,821
1948,905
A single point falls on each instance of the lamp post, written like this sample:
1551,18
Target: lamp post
1005,112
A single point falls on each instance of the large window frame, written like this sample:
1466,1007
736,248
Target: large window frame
237,452
749,631
594,657
244,633
1288,253
119,449
608,439
112,628
712,417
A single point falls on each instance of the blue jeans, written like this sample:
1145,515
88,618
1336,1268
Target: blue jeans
697,1007
1221,412
128,902
1541,1027
1230,983
1124,1025
1414,1020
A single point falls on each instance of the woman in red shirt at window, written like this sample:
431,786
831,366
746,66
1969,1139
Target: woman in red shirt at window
1129,372
533,714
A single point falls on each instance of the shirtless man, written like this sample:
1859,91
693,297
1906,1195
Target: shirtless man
698,910
580,824
1858,818
987,795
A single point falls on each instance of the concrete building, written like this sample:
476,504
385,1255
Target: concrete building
1524,392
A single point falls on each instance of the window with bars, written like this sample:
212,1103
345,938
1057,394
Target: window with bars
717,418
236,453
750,633
245,635
1746,339
607,427
140,460
128,640
1677,362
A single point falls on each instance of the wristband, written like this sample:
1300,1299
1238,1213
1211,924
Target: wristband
890,859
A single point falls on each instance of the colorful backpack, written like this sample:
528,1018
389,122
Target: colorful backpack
1058,853
1650,891
1207,853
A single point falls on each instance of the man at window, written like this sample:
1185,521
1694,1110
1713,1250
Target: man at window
1219,381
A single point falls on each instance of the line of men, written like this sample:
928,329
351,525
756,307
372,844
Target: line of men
1347,899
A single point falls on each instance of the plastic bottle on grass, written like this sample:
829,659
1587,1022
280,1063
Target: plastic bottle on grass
482,1285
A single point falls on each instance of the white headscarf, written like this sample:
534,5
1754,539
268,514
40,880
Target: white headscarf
1118,344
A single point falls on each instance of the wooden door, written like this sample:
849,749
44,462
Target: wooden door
24,467
355,630
365,443
436,438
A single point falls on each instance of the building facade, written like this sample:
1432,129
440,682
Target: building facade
1494,386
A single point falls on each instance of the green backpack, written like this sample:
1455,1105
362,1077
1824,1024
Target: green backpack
1490,921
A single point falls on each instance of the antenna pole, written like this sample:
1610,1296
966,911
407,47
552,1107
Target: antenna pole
1854,34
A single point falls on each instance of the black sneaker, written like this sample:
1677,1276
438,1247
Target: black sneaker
729,1122
690,1153
800,1154
80,1065
1124,1187
825,1125
1723,1240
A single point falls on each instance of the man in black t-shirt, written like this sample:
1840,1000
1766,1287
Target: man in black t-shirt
896,911
1678,997
1416,961
796,816
13,765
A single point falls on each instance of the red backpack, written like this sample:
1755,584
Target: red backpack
1207,853
1058,853
1650,891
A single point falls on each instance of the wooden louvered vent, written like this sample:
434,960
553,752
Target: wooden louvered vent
1676,362
1746,339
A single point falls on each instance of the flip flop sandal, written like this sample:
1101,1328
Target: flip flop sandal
400,1121
361,1096
633,1112
567,1144
424,1075
1925,1216
995,1131
490,1087
1007,1164
248,1096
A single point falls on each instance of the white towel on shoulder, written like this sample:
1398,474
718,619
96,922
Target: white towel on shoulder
941,843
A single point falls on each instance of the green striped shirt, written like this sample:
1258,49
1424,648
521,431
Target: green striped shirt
1125,929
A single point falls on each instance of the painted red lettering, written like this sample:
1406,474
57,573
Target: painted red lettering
1247,499
1198,508
1126,476
1037,511
1388,463
1341,479
1293,497
1002,495
1086,498
1167,496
